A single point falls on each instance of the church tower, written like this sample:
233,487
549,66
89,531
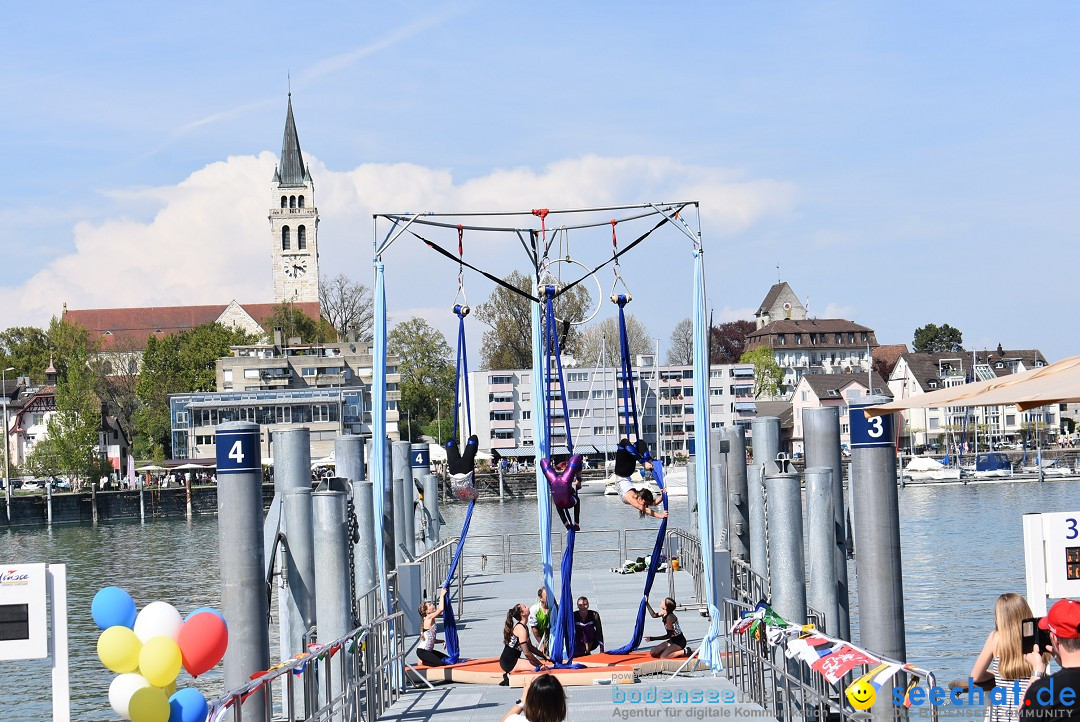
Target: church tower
294,223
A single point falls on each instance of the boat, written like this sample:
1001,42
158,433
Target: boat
990,464
925,468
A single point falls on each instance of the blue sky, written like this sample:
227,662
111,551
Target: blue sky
904,163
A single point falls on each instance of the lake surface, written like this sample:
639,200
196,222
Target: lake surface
962,546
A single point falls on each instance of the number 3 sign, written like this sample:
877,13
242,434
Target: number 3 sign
872,431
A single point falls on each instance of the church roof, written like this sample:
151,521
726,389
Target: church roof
126,329
292,171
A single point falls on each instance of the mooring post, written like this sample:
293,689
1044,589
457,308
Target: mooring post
366,579
333,606
787,567
403,497
738,503
388,526
431,509
821,438
241,560
879,571
821,545
765,438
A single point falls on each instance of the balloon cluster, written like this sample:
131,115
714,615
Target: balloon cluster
147,649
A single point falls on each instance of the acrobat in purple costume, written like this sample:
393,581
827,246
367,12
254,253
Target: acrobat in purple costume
564,482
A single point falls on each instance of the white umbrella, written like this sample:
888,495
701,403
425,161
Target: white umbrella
325,461
150,467
191,467
436,452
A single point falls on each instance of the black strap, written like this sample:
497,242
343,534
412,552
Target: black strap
613,258
509,286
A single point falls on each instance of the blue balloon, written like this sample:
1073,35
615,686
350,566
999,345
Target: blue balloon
187,705
113,607
212,611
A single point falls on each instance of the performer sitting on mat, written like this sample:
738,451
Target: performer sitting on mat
673,642
625,464
426,651
461,468
516,641
564,480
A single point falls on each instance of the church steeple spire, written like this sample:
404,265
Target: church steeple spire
292,171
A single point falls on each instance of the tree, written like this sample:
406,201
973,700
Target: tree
508,343
729,341
347,306
767,373
592,339
294,323
71,444
26,349
942,339
178,363
427,373
681,349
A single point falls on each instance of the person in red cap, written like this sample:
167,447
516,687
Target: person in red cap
1056,696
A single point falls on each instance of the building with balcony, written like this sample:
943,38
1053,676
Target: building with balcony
840,390
920,372
325,387
502,407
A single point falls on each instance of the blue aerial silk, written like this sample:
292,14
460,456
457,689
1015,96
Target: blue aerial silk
710,645
650,575
542,435
378,432
453,648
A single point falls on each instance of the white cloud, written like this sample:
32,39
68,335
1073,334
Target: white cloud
207,239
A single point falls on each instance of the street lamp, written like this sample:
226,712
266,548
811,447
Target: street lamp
7,481
438,416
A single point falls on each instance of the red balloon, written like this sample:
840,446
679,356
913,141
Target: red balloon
202,640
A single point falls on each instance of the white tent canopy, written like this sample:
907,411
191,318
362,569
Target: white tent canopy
1056,383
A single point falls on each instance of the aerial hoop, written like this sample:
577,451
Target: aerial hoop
547,278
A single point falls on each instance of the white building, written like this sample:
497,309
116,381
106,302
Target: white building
502,406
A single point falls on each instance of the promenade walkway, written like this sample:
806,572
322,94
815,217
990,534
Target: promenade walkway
616,597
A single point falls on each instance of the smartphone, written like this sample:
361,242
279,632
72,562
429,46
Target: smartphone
1031,637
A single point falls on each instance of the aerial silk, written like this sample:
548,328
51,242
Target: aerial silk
562,628
378,433
631,430
543,443
453,648
710,645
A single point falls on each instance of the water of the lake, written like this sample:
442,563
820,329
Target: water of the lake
962,546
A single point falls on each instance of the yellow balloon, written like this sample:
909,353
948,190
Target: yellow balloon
118,649
160,660
149,704
170,688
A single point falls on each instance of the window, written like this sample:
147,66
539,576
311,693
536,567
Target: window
285,238
688,391
251,373
935,424
577,376
798,339
300,202
780,339
1010,419
851,337
863,337
292,201
839,338
310,371
933,384
603,393
688,374
500,380
502,434
284,201
501,416
320,412
687,410
301,238
577,395
717,392
805,395
578,413
525,398
716,374
526,414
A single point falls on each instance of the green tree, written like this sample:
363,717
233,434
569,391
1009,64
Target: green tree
593,338
934,338
71,444
427,373
26,349
294,323
767,373
178,363
508,342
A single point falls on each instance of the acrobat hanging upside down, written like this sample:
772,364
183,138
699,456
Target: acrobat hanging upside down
462,467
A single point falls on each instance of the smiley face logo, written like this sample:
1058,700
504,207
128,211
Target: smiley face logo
861,695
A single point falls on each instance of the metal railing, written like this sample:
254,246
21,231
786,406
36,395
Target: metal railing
684,546
785,687
352,679
505,553
435,565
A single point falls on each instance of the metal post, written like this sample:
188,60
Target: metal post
787,568
502,482
431,509
142,499
718,447
821,545
366,579
879,571
333,608
48,502
821,439
240,549
299,592
765,438
738,501
403,496
388,527
7,442
755,493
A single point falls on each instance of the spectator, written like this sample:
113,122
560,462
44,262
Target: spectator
539,620
543,700
1002,660
1055,697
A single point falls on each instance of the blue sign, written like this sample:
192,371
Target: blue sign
420,456
870,432
238,451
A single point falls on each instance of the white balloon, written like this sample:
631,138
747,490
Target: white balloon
121,690
158,619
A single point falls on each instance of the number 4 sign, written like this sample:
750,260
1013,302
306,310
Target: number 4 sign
238,449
